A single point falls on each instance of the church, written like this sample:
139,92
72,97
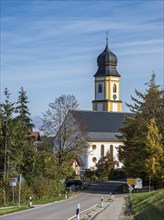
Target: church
102,124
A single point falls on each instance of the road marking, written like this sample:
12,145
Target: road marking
83,212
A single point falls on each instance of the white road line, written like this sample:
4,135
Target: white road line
83,211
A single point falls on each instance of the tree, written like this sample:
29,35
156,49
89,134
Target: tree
56,113
22,109
132,153
7,110
70,141
146,106
22,145
58,122
14,136
150,104
155,151
1,142
105,165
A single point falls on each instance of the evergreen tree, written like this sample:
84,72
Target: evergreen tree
7,110
22,109
2,155
21,142
16,143
134,134
150,104
132,153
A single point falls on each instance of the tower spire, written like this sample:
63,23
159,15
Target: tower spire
107,82
106,39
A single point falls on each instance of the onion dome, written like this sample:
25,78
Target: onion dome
107,62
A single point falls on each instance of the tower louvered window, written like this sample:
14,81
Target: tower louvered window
114,88
99,88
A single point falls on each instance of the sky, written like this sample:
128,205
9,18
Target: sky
51,47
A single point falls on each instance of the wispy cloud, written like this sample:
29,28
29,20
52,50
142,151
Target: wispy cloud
53,46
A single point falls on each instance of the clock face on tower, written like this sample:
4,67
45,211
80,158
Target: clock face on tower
114,96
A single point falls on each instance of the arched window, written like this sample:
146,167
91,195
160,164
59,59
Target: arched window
114,88
111,150
94,147
99,88
94,159
102,150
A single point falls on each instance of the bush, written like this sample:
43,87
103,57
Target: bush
46,188
6,191
117,174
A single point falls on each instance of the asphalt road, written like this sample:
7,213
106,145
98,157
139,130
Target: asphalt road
65,209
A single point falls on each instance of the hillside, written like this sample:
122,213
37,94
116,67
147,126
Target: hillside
148,205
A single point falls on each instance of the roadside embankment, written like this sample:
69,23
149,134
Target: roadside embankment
147,205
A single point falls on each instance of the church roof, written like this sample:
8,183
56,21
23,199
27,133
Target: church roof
102,137
101,126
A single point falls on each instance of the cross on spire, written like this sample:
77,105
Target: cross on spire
106,35
107,38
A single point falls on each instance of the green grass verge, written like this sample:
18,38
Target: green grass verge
45,201
148,205
54,199
11,210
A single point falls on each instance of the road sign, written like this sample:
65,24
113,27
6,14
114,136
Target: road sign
12,183
130,188
20,179
131,181
138,184
12,180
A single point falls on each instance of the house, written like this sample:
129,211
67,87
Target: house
78,165
35,135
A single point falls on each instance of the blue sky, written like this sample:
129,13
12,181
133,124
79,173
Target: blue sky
50,47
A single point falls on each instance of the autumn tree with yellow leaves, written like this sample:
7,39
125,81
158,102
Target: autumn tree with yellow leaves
155,150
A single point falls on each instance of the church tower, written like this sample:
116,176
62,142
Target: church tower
107,83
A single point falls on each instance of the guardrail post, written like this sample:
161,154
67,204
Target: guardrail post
102,202
30,201
78,212
66,195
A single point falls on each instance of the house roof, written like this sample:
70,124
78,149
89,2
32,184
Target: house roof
35,135
80,161
101,126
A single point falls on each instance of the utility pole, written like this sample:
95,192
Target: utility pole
19,190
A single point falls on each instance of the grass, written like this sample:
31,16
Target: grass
148,205
8,210
45,201
13,209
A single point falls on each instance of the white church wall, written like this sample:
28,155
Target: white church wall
94,153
